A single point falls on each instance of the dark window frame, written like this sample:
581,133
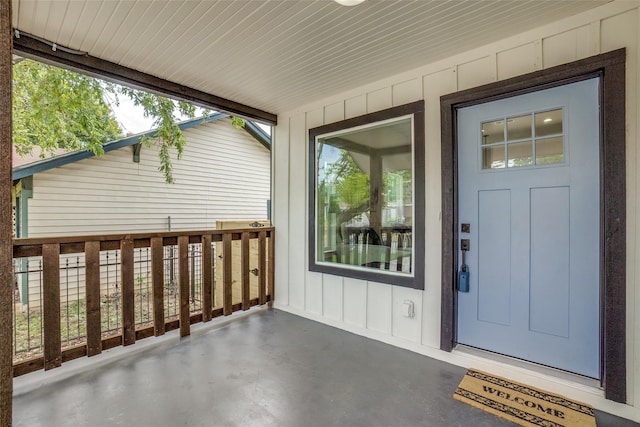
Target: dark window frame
416,280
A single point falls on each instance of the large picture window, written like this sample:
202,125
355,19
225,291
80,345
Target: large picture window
367,197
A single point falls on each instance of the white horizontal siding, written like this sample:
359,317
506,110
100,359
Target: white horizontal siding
224,174
373,309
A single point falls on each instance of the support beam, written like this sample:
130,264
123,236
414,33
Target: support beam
29,47
6,247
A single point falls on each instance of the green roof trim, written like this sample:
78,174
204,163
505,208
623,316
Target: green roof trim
259,134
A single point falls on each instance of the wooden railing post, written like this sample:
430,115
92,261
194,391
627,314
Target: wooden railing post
183,280
157,283
128,295
244,244
92,286
207,275
227,271
272,247
51,305
262,267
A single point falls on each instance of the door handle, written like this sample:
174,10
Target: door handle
463,274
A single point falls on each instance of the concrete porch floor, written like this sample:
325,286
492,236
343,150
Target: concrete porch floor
269,368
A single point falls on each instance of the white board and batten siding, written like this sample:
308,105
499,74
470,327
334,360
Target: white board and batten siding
224,174
374,309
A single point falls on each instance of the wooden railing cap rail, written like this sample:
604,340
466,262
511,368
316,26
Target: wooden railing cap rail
32,246
134,236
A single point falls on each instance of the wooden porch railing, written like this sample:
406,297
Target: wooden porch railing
211,248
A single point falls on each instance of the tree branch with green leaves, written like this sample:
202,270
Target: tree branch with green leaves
168,133
57,109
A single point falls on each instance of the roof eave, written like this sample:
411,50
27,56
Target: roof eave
260,135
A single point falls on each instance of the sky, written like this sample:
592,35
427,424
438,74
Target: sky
131,117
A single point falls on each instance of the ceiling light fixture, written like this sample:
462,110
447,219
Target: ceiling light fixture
349,2
548,120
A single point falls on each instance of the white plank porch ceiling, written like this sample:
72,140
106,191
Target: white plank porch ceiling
277,55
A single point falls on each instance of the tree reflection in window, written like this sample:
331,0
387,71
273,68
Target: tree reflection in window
365,197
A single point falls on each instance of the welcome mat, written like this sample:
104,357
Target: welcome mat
522,404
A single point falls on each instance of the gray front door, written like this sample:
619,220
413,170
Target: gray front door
528,176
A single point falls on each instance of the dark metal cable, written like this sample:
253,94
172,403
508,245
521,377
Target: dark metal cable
54,46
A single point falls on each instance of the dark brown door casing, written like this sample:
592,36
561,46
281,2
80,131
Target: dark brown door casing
610,69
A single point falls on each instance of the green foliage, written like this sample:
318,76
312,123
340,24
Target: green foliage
237,122
391,180
168,133
58,109
55,109
351,184
345,188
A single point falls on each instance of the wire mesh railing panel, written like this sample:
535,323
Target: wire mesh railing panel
195,278
73,315
142,287
171,289
27,308
110,293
